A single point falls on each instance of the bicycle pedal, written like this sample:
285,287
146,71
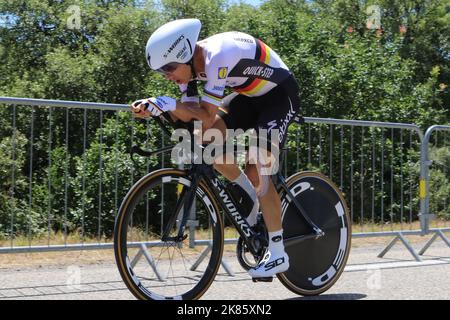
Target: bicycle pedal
263,279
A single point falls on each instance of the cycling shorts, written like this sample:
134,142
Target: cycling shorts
274,110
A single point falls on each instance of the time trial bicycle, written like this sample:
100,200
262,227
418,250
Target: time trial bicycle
169,231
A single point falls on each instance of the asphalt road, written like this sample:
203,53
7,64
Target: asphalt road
396,276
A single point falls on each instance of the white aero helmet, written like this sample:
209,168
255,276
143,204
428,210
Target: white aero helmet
172,42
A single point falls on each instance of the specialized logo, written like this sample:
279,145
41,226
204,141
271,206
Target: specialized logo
182,52
222,73
285,124
232,209
173,45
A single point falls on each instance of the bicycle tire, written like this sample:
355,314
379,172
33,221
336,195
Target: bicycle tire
124,229
315,264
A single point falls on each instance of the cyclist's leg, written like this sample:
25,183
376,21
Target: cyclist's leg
276,259
280,106
224,121
231,171
252,173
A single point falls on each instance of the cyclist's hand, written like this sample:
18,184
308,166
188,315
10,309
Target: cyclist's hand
139,109
153,106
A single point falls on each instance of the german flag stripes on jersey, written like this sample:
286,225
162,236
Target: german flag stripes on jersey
258,71
241,62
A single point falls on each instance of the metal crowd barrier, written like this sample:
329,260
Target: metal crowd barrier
428,209
383,155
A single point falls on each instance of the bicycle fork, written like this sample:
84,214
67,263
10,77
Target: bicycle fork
185,201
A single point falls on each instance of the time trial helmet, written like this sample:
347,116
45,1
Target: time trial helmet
173,42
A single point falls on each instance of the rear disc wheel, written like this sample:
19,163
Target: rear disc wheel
315,264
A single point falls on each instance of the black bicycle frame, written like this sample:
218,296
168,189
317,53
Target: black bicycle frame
205,172
197,173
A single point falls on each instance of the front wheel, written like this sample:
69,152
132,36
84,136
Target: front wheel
315,264
154,267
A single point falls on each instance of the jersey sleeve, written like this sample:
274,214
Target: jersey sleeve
189,92
213,92
216,69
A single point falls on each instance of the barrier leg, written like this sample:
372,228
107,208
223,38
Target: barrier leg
203,256
428,244
405,243
389,247
438,233
143,251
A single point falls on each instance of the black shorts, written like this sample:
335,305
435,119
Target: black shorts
274,110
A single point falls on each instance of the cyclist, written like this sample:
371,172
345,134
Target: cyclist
266,96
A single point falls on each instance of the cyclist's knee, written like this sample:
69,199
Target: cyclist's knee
219,167
260,182
252,173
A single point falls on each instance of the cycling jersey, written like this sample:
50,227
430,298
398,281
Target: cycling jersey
239,61
266,94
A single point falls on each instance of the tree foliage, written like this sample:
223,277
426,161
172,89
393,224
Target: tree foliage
385,60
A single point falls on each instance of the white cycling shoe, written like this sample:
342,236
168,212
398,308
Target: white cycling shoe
270,265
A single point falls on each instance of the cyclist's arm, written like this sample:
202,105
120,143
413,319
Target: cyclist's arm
188,111
206,108
195,108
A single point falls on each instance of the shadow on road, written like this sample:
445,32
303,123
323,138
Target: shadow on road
60,289
338,296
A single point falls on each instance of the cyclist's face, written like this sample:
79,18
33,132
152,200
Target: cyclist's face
180,75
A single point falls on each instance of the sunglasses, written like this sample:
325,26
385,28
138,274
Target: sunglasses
168,68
